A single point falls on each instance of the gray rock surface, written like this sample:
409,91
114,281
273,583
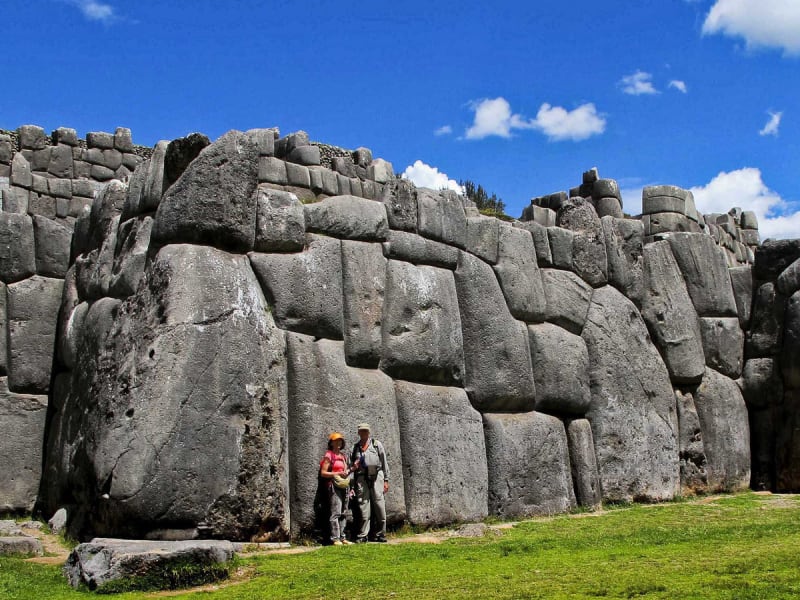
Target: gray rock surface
790,355
786,440
52,247
589,259
3,329
347,217
22,422
305,289
400,198
186,377
583,462
214,202
280,222
498,373
694,479
765,335
133,242
364,290
418,250
483,237
561,247
20,546
554,353
450,484
153,181
441,217
726,432
102,562
544,257
723,345
421,329
529,468
761,383
519,275
742,285
624,251
568,298
17,247
789,280
179,154
32,317
773,257
670,315
706,274
326,395
633,415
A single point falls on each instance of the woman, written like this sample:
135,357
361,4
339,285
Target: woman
335,469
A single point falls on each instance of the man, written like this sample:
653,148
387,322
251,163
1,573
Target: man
371,483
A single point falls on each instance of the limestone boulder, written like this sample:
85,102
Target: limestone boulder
568,298
32,318
421,329
214,200
364,292
175,414
17,247
22,424
742,284
790,354
670,316
555,352
632,413
694,478
585,477
706,274
519,276
280,222
450,484
726,432
723,345
765,335
529,468
589,259
305,288
498,373
347,217
413,248
625,254
326,395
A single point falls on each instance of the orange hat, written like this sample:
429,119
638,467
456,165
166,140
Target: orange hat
335,436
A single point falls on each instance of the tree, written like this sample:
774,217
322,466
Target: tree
487,205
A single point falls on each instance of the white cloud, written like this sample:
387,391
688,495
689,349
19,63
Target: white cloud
443,130
423,175
638,83
95,10
559,124
678,85
762,23
494,117
777,218
771,128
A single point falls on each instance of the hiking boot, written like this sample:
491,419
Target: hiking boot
380,540
361,540
338,543
347,542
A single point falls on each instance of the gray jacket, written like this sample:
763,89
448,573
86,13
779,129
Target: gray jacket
373,456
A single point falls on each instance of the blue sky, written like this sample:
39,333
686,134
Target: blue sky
521,97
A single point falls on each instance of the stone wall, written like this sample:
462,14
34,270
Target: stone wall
229,304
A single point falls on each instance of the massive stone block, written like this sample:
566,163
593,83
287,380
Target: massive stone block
347,217
561,247
633,407
790,355
723,345
670,316
519,275
418,250
589,259
541,242
483,237
17,247
441,217
364,291
94,270
789,280
326,395
624,251
305,289
421,332
498,373
3,329
742,285
529,469
787,443
133,242
175,414
568,298
694,478
214,201
280,222
585,477
449,484
554,353
400,198
773,257
765,336
706,273
762,385
22,422
32,315
726,432
52,247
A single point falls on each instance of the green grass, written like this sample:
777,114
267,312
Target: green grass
744,546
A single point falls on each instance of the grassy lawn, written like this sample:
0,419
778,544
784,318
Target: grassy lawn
744,546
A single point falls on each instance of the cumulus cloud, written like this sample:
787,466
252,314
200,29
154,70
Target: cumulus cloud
95,10
762,23
443,130
777,218
678,85
771,128
494,117
424,175
637,84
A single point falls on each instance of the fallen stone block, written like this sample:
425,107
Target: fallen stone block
20,546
